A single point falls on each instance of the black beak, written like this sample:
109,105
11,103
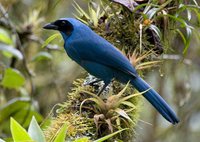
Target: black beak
51,26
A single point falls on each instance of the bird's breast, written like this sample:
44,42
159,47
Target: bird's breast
71,52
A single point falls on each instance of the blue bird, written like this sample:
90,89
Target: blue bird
101,59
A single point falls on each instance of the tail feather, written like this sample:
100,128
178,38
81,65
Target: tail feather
155,99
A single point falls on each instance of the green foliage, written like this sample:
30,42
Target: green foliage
1,140
109,136
77,126
42,56
19,109
13,79
88,114
18,132
4,37
12,108
84,139
108,107
20,59
60,137
51,38
125,33
35,131
35,134
10,51
95,13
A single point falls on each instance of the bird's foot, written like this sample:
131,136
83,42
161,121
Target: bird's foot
93,82
102,89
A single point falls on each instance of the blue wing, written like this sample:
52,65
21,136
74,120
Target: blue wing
96,49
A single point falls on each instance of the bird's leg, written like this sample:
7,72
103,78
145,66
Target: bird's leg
92,82
104,86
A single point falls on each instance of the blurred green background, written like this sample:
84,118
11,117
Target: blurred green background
46,74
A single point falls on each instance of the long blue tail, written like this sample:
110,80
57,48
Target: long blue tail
155,99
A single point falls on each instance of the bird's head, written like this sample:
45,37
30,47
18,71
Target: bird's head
64,25
68,27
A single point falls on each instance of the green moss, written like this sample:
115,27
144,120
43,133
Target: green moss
83,124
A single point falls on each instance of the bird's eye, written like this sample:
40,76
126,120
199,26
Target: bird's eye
63,23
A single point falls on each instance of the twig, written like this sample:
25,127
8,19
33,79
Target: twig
41,42
177,57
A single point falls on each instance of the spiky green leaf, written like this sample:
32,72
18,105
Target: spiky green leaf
182,35
51,38
127,103
60,137
122,113
35,131
133,95
152,12
80,10
123,90
109,136
19,134
156,30
93,15
100,104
